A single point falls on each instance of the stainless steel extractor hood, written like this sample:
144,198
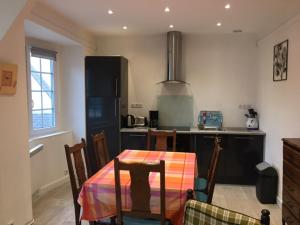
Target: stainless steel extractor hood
174,58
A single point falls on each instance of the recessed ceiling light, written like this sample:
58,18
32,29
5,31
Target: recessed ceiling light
110,12
227,6
171,26
124,27
167,9
219,24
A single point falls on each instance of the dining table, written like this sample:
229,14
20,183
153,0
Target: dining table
97,196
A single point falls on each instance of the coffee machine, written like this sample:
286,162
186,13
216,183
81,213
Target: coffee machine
153,118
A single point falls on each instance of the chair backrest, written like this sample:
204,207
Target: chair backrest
140,190
79,171
161,139
200,213
101,150
213,170
216,144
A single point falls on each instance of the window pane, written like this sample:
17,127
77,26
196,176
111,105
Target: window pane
47,81
47,100
35,81
37,119
46,65
36,100
35,64
48,118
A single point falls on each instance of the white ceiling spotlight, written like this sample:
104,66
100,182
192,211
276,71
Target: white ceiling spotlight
227,6
110,12
167,10
124,27
219,24
171,26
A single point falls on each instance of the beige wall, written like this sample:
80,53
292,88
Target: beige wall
222,70
278,102
15,178
15,192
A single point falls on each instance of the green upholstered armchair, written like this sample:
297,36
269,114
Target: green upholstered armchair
200,213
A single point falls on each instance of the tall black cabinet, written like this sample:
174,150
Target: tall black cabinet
106,91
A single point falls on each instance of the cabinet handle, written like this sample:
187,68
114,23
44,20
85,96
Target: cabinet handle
209,137
115,107
243,138
137,135
116,86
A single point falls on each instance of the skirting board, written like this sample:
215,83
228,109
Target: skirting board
279,202
48,187
30,222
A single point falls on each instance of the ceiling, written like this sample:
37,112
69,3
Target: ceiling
144,17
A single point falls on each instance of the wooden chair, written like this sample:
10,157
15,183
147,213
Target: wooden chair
78,171
201,182
161,139
101,150
140,212
207,195
200,213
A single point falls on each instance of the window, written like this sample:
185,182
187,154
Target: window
42,89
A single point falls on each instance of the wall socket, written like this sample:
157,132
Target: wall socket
245,106
136,105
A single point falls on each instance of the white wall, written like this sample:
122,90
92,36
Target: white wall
278,102
9,9
15,191
49,166
15,180
72,91
222,71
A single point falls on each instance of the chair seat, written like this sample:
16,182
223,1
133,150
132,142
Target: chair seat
201,196
200,183
135,221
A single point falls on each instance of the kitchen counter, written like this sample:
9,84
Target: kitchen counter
195,130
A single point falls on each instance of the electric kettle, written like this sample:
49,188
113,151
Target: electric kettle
130,121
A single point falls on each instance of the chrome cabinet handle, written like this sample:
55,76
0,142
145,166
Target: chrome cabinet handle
116,86
137,135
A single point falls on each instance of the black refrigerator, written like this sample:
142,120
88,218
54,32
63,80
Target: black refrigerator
106,93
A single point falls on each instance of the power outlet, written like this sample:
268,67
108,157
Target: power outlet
66,172
136,105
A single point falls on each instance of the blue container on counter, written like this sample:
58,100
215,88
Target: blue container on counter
210,120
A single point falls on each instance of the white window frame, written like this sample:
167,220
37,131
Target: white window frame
42,131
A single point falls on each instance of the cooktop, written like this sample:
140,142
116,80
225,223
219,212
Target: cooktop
178,128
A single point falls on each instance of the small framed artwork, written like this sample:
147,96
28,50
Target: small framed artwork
8,79
280,61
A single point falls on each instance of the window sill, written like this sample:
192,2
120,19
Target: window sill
49,135
35,150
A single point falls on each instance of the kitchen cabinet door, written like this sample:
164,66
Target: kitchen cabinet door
203,145
136,141
244,152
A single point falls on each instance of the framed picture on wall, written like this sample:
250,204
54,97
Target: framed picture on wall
8,79
280,61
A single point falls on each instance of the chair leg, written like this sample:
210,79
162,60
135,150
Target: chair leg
77,214
283,221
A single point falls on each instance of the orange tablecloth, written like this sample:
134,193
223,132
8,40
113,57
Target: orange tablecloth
97,196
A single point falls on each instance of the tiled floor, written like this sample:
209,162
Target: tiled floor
56,207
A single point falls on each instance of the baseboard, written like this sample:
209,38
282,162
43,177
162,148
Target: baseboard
30,222
48,187
279,202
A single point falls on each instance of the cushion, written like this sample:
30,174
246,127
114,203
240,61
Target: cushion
200,183
201,196
199,213
135,221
